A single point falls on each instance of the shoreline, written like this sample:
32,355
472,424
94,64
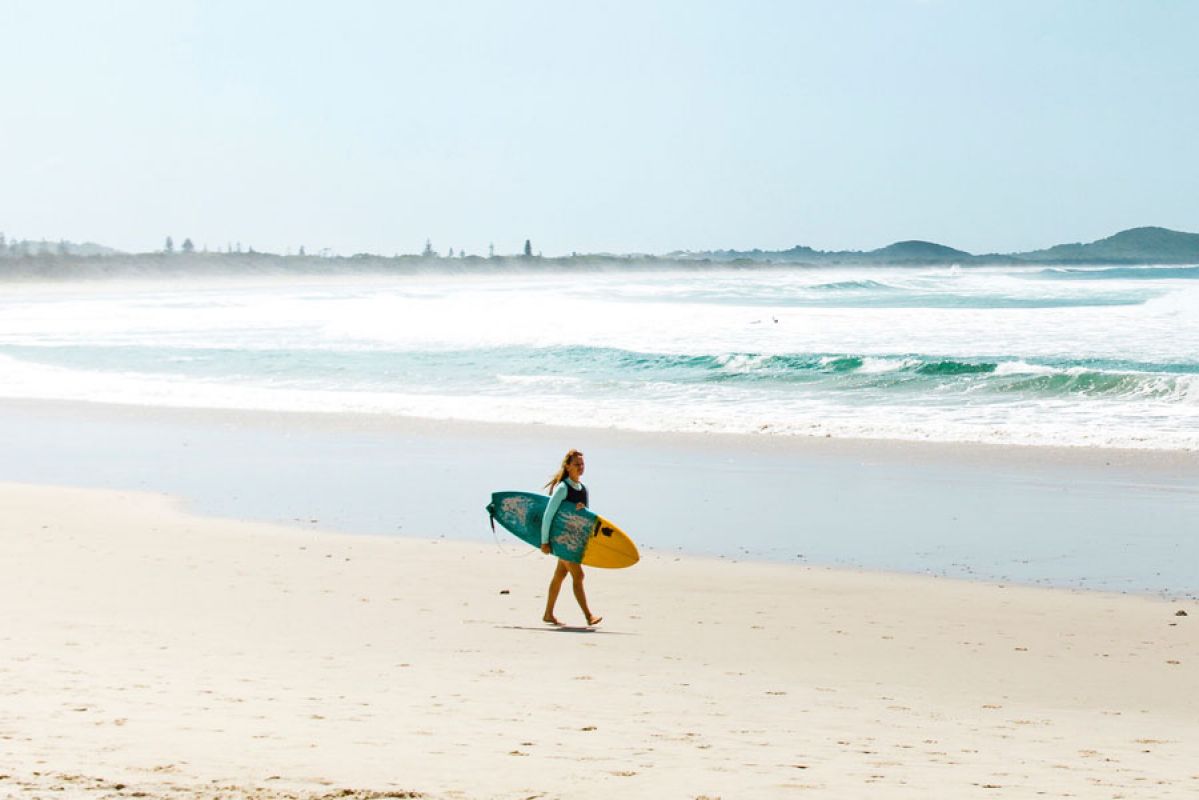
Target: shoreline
174,655
966,451
1111,521
516,550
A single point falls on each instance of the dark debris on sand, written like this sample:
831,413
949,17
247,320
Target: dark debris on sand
39,785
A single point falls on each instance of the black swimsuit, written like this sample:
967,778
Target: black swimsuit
574,495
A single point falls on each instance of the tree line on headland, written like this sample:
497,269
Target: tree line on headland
24,258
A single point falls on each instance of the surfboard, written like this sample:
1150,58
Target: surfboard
577,535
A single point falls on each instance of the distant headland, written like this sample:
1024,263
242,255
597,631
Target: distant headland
1133,246
34,259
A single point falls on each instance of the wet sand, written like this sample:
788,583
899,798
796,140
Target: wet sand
1079,518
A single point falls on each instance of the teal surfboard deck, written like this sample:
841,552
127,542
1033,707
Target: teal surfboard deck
577,534
521,514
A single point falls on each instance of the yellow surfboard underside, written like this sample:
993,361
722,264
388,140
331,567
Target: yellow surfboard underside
610,547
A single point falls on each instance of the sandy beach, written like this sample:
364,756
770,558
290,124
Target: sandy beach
151,652
875,327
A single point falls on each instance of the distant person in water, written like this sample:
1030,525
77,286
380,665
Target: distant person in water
565,487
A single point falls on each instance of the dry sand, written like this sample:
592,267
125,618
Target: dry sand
146,652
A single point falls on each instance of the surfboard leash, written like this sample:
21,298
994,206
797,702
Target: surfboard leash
503,550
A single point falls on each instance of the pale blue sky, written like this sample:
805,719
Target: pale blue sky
622,126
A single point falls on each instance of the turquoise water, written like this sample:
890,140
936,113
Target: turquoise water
1104,356
986,377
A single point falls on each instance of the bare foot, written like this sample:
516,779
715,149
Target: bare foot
550,620
593,621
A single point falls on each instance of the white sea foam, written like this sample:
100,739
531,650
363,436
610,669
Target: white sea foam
740,362
1024,368
539,380
879,366
476,347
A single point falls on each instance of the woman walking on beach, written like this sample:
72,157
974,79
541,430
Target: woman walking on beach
564,487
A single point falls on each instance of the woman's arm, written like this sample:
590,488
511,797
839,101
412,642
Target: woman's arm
551,509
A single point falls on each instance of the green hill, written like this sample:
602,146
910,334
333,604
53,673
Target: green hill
922,252
1136,245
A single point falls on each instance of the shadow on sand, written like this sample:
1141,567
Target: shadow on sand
564,629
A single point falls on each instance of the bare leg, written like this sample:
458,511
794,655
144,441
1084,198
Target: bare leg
576,576
552,597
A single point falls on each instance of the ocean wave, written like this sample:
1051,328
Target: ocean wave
858,285
951,367
1139,273
890,353
567,366
1067,405
910,372
859,294
1020,367
904,374
1180,388
538,380
881,366
841,363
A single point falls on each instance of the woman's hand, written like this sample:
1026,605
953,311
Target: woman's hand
580,506
545,548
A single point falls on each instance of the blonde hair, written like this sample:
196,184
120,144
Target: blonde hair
561,473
